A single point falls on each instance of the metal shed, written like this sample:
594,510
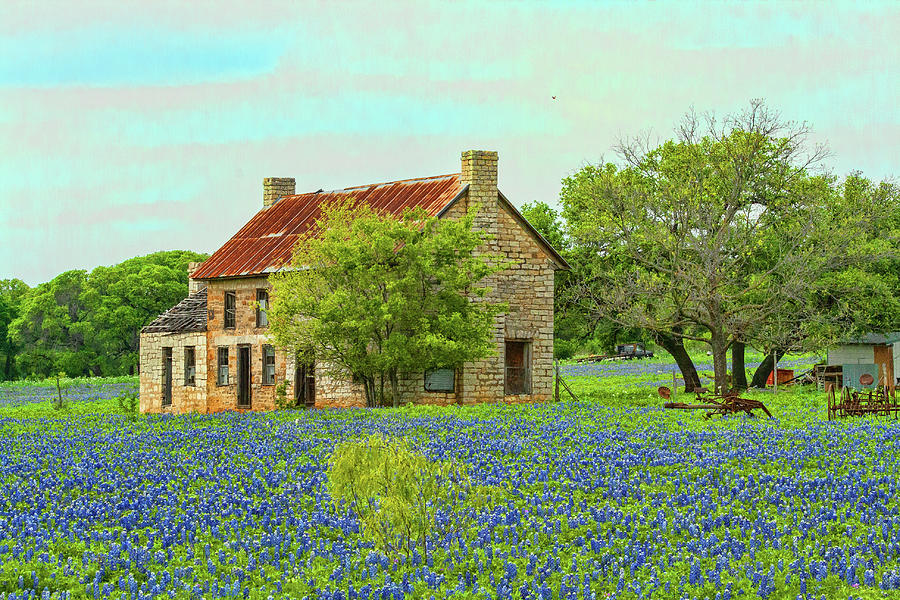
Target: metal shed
881,349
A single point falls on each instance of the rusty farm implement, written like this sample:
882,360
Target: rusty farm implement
715,404
852,403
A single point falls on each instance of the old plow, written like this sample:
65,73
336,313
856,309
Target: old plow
715,404
852,403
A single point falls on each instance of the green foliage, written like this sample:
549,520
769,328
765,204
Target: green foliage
129,402
547,221
282,400
89,323
564,349
396,493
373,296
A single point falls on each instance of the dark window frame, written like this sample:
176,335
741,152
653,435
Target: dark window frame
219,364
230,318
244,377
452,389
168,376
266,350
190,366
262,308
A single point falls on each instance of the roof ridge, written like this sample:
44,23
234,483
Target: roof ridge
371,185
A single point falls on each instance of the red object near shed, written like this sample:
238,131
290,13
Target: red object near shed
784,376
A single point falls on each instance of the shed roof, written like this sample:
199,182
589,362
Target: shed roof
874,338
186,316
266,242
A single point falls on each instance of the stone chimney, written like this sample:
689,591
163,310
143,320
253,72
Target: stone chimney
194,285
276,187
479,172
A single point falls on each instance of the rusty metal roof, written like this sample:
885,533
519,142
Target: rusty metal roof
187,315
266,242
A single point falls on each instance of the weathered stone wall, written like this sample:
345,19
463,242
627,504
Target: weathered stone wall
337,392
528,288
194,285
412,389
184,398
245,332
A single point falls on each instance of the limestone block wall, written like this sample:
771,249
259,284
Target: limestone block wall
245,332
528,287
412,389
337,392
184,398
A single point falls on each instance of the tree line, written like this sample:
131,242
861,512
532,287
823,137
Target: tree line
731,234
88,323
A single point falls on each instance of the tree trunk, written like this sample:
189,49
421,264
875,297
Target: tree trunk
369,387
738,370
395,388
7,371
765,367
674,345
720,360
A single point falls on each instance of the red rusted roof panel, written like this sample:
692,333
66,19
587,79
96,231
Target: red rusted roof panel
266,242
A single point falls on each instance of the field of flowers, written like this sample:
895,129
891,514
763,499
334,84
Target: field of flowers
610,497
657,372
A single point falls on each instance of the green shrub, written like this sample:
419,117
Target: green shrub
282,400
129,402
564,349
396,493
59,403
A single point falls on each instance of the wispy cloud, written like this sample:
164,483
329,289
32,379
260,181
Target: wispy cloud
104,55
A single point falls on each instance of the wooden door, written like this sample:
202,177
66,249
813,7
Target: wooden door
884,358
305,385
244,376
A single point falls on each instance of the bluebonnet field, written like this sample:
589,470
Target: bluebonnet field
610,497
640,373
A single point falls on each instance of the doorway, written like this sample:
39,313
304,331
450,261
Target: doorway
167,377
518,367
243,376
305,384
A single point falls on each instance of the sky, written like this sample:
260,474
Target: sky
132,127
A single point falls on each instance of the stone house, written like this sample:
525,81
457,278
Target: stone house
212,351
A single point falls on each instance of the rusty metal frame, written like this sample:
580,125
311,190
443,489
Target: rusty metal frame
715,404
880,401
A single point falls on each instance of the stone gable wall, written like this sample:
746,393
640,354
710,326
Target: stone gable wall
527,286
245,332
184,398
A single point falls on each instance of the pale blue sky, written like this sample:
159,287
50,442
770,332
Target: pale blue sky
127,128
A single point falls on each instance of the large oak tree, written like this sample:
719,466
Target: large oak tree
712,236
